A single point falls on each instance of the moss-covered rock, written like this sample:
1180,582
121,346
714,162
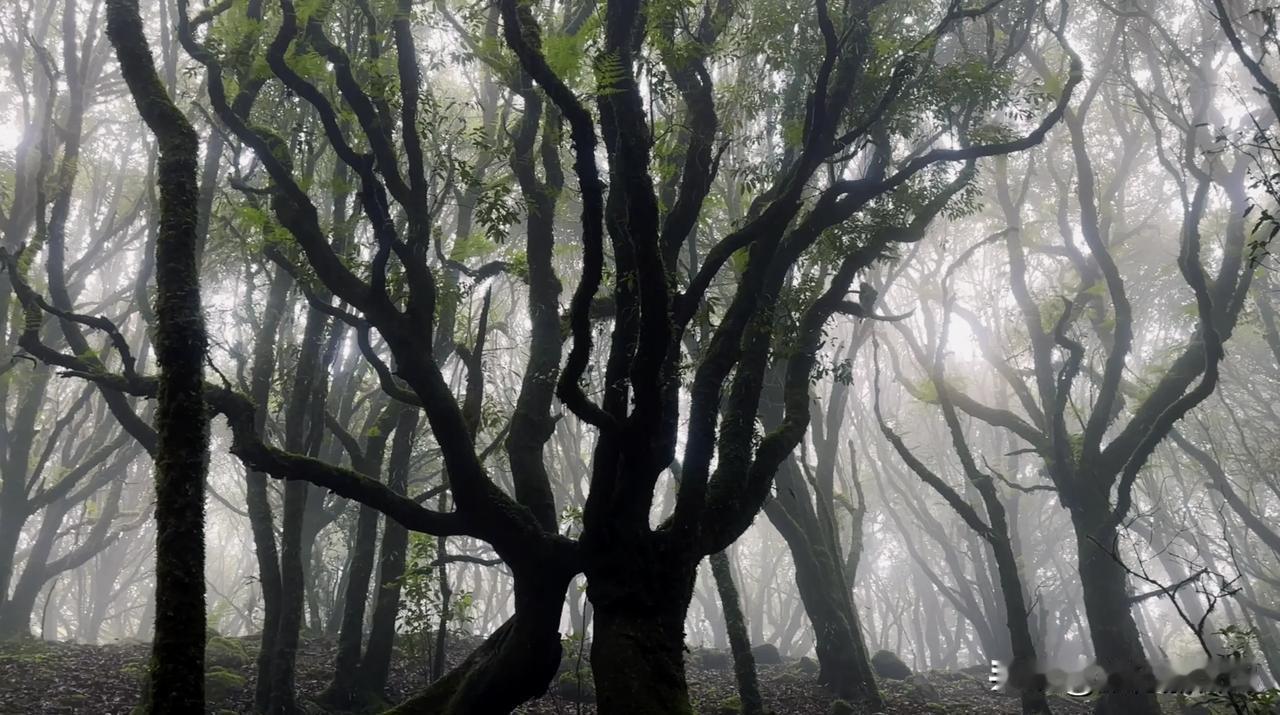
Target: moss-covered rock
225,653
922,688
887,664
807,665
711,659
842,707
222,684
791,677
766,654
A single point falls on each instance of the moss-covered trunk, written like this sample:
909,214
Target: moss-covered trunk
842,657
843,663
639,593
514,664
1116,644
744,663
637,661
177,662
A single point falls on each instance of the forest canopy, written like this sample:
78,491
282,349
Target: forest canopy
638,356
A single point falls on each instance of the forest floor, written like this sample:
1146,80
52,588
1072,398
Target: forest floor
46,677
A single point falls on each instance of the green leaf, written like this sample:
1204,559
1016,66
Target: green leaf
474,246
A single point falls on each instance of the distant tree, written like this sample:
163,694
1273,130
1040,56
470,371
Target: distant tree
995,528
49,166
1092,455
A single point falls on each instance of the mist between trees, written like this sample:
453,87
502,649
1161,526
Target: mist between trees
511,354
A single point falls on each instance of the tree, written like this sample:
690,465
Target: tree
43,199
893,109
182,448
1089,454
994,529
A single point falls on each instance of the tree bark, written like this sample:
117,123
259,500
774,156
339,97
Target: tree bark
14,508
342,690
842,656
744,663
376,665
256,496
1116,644
1024,663
514,664
292,571
177,662
639,593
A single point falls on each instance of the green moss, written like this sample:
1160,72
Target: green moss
729,706
25,650
221,684
842,707
226,653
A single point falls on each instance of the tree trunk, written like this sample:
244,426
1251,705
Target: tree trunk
446,603
744,664
10,530
637,660
1116,644
376,666
842,656
292,572
314,519
640,594
15,613
514,664
19,437
1024,663
341,692
292,603
177,656
257,501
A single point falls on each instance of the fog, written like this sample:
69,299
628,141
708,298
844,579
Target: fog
638,357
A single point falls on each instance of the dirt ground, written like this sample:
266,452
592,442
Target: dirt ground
42,677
